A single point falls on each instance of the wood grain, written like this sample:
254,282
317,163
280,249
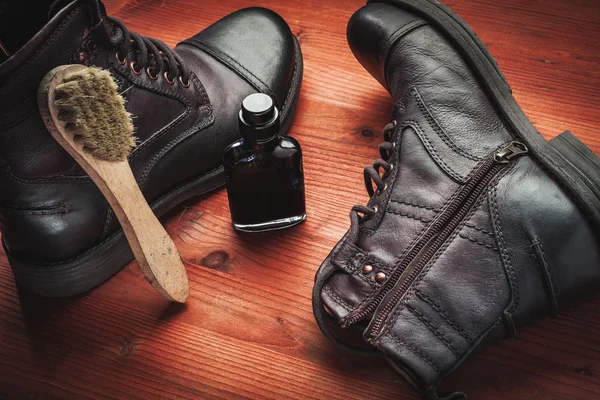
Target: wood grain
247,330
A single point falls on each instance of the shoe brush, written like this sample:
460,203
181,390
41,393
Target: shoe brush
84,112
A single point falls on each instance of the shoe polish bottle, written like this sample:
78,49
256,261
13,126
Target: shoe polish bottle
265,179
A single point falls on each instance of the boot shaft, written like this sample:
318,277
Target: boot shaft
468,235
45,197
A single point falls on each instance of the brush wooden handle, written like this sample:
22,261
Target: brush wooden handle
154,250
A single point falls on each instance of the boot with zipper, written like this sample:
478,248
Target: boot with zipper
59,234
476,225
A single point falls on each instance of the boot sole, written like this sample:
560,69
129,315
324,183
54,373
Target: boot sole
97,265
566,158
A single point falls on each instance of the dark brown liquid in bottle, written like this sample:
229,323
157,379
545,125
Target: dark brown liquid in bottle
266,184
265,180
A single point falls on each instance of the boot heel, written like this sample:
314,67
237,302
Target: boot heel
581,158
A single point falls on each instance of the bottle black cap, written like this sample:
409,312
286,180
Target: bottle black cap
259,118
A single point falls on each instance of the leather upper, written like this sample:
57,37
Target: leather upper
520,253
268,68
50,211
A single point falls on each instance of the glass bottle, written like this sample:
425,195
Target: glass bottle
265,179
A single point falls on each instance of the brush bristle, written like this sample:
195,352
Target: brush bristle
89,102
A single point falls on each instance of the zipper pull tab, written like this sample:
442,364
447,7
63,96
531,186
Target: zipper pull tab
512,150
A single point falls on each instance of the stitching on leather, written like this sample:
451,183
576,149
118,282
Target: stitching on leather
225,58
547,277
294,78
416,352
368,278
503,252
443,135
399,107
179,138
379,266
349,268
417,127
107,222
481,230
41,212
470,239
341,302
415,240
55,209
352,263
371,282
443,314
415,205
395,36
434,329
41,181
396,314
411,216
116,233
338,249
22,207
139,83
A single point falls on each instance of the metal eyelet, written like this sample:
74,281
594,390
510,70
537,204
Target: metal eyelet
132,67
367,217
387,173
185,85
121,62
153,77
166,75
379,192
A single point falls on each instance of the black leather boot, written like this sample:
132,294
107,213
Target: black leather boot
60,236
475,226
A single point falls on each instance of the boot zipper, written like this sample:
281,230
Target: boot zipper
417,258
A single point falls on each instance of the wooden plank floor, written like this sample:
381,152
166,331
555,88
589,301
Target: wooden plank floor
248,329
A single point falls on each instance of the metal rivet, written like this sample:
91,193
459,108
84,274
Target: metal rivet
380,277
367,269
